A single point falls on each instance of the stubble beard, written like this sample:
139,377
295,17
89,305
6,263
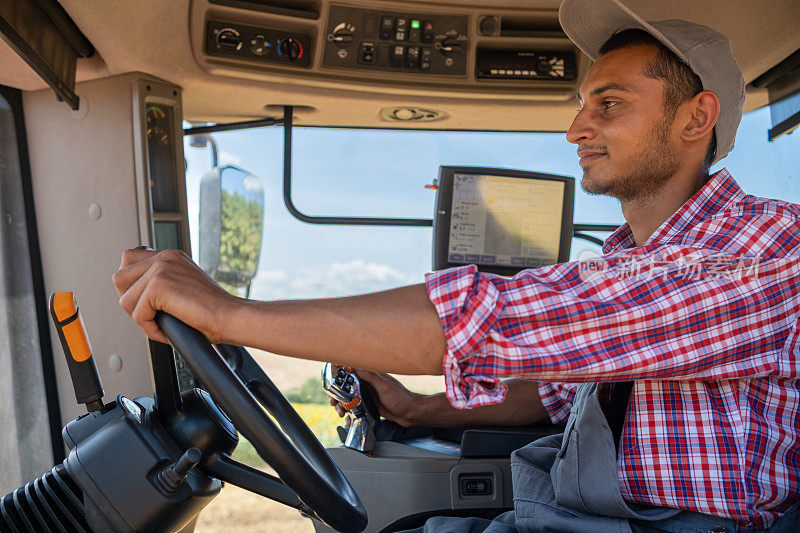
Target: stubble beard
656,163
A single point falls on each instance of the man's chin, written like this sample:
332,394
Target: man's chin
592,183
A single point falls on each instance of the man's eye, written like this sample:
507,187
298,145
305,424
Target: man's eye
609,103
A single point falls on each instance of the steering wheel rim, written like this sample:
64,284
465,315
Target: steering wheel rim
308,470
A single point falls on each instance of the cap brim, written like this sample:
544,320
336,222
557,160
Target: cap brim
590,23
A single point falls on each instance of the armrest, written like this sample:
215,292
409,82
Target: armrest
501,441
483,441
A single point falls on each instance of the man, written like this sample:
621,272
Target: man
694,299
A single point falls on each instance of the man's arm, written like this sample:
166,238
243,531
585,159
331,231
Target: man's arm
562,323
522,405
392,331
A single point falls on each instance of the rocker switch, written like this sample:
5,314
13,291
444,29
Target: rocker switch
476,486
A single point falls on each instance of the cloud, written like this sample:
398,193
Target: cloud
227,158
337,279
252,184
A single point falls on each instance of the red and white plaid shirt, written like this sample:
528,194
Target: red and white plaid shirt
703,316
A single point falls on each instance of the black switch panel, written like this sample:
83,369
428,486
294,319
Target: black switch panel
419,43
259,44
476,485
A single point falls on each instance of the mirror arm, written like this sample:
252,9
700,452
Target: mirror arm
578,229
233,126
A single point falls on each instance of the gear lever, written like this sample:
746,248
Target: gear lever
72,333
342,384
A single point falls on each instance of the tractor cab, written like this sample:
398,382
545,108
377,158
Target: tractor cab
294,149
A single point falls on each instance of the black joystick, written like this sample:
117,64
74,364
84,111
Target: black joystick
172,477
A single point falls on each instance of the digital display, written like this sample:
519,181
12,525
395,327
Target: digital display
497,220
167,235
501,220
161,158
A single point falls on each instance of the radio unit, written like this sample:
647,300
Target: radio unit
525,65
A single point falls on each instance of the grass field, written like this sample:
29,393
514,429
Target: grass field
235,510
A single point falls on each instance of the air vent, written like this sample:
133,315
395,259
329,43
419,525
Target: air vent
411,114
307,9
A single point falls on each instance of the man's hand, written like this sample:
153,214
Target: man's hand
393,400
522,405
169,281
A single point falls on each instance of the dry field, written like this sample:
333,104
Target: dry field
288,373
239,511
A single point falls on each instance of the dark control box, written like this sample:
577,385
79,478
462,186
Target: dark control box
476,485
365,39
259,44
525,65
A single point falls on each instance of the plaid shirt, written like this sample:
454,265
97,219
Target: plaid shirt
703,316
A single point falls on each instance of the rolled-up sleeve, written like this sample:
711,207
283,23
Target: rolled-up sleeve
576,322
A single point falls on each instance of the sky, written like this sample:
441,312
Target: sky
384,172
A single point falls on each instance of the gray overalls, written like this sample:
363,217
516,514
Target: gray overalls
568,483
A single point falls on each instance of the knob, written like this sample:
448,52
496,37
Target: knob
229,39
259,44
488,26
290,48
542,66
449,47
342,34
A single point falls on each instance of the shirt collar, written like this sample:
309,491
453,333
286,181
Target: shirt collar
720,190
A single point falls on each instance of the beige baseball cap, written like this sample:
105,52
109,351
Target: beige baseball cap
590,23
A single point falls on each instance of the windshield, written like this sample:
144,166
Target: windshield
355,172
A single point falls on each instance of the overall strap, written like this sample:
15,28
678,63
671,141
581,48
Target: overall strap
617,407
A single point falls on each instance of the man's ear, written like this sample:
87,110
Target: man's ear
702,112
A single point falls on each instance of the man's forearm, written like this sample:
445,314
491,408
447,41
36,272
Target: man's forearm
522,406
394,331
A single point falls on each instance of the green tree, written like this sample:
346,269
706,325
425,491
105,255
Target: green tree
240,239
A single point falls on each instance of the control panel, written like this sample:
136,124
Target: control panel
263,44
396,41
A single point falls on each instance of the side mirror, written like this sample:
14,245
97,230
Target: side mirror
231,223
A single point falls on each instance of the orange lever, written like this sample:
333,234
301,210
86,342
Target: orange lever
68,318
72,333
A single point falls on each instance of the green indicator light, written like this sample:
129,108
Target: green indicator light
414,24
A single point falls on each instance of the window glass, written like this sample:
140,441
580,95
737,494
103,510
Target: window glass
355,172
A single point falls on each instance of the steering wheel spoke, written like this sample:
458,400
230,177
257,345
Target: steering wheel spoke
227,469
301,463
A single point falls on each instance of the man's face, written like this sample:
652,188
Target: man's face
627,146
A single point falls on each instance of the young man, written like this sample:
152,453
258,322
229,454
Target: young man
694,299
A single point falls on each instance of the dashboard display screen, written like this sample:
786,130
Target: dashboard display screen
161,158
503,223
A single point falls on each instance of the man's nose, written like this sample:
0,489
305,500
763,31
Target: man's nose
581,128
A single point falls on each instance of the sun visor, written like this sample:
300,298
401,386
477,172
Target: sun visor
42,33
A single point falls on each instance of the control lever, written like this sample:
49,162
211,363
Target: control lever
72,333
342,384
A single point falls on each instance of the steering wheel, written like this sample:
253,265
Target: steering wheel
302,463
